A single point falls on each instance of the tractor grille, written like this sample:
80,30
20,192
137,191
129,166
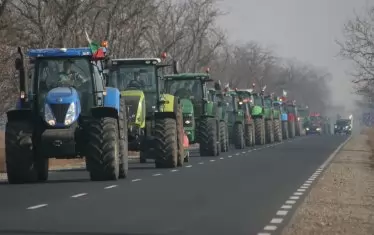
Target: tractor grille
59,111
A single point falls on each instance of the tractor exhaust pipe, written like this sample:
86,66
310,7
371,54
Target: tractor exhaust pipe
20,67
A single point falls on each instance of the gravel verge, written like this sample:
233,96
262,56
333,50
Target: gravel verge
342,201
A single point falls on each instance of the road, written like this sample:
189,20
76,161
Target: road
235,193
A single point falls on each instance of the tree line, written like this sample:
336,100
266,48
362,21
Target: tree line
186,29
358,48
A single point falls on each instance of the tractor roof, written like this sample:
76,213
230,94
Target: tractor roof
60,52
136,61
189,76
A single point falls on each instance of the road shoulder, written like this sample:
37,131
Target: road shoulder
341,201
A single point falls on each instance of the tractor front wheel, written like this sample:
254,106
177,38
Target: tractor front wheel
19,154
103,153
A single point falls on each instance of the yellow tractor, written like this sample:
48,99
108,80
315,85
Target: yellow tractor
155,122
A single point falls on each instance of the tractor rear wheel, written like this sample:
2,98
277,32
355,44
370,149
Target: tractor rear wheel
123,144
260,131
166,143
19,154
239,138
223,137
269,131
277,131
248,135
285,130
208,137
180,135
103,153
291,129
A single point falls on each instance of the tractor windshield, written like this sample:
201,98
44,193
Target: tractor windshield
303,112
62,72
291,109
190,89
51,73
257,100
268,103
139,77
343,122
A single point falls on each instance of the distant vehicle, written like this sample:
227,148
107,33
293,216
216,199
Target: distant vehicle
343,126
314,125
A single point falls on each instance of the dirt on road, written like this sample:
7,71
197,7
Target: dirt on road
342,200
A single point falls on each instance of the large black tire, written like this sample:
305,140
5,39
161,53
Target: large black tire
269,131
297,128
239,139
223,136
260,131
277,131
227,138
285,130
180,134
208,137
19,154
123,142
291,129
166,146
103,153
248,135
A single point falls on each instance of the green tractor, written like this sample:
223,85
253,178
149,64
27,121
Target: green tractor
218,96
277,121
262,115
303,111
243,131
155,122
205,116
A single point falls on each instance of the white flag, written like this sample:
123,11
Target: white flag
284,93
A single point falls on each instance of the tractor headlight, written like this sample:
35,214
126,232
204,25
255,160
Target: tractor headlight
336,126
307,128
48,115
318,129
187,122
70,114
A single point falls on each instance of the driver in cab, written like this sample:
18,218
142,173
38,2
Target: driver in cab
70,77
137,82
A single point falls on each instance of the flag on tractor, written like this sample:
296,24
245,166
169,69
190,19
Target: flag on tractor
97,51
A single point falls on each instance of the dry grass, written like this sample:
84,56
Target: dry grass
53,163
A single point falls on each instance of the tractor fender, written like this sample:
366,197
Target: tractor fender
111,105
256,111
169,108
284,117
112,98
135,100
19,115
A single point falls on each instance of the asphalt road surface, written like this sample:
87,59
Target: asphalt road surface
235,193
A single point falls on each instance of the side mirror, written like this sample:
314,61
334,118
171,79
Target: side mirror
176,67
18,64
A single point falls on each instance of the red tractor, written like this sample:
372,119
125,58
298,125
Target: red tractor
294,124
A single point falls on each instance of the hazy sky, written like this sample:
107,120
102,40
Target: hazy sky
302,29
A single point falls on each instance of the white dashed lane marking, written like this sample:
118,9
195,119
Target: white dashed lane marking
136,180
212,160
111,186
36,206
79,195
188,166
174,170
157,174
201,163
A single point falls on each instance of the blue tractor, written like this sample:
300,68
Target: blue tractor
65,111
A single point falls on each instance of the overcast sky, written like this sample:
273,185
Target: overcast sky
302,29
